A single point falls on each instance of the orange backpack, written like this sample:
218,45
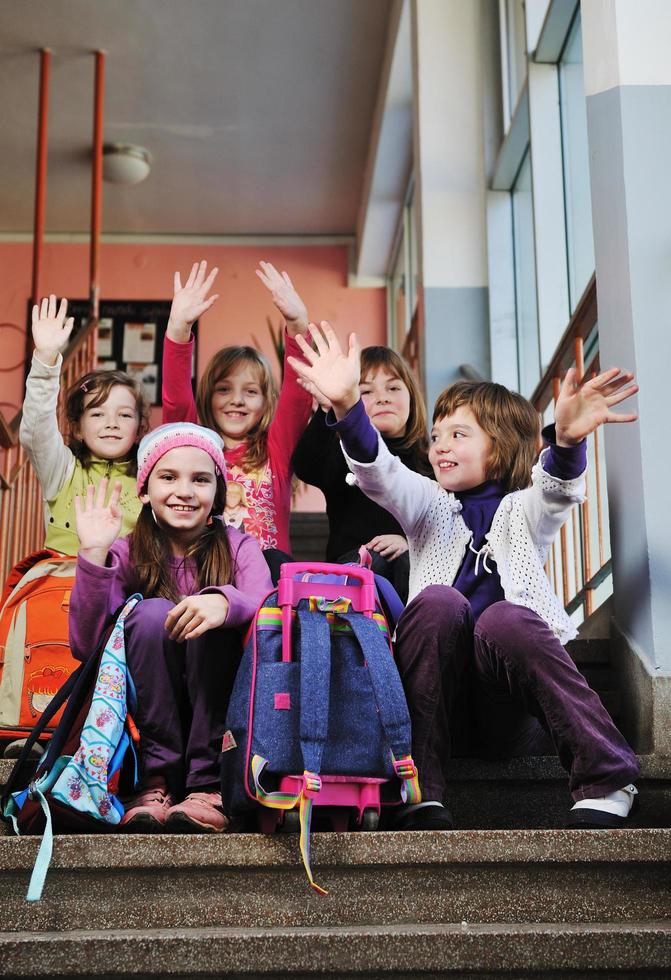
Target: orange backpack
35,657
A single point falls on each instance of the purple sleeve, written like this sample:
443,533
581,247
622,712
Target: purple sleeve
252,581
97,593
357,432
563,462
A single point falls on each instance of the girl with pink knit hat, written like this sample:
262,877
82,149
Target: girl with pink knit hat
202,582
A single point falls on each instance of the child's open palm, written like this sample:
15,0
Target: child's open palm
51,328
334,373
191,300
98,523
581,408
285,298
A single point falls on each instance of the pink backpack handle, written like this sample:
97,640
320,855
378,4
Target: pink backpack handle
291,590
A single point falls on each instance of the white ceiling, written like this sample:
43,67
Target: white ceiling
257,113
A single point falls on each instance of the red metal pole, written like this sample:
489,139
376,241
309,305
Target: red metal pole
40,182
96,184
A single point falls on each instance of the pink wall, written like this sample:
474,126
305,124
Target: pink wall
146,272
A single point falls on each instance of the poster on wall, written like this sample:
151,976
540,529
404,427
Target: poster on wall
130,338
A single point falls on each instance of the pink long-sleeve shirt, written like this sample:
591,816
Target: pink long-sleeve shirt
258,502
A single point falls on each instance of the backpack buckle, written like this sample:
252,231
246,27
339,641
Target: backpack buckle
312,784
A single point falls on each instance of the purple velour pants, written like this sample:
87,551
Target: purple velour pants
513,681
182,697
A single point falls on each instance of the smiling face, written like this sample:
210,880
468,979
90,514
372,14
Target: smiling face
238,404
387,402
460,451
181,490
110,430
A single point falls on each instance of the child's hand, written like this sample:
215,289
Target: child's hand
334,374
580,409
98,525
319,399
51,330
190,301
390,546
285,298
196,615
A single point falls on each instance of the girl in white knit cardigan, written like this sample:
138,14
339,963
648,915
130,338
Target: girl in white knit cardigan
483,628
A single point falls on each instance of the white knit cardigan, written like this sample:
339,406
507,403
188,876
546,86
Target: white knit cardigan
523,528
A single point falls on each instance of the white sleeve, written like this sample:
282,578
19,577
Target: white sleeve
548,502
386,480
39,433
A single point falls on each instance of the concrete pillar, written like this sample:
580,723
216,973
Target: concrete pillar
628,87
452,44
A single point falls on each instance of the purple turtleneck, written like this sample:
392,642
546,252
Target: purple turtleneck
481,587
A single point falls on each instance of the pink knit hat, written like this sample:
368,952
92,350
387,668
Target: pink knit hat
160,441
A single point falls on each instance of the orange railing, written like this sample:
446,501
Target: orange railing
21,508
579,564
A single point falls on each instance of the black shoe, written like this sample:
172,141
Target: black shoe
434,816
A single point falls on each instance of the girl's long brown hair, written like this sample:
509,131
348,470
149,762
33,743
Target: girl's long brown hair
415,439
510,421
99,384
221,365
210,553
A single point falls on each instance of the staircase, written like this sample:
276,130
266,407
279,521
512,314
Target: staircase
508,895
489,903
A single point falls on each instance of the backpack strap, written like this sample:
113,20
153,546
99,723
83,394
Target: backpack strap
315,686
58,700
390,700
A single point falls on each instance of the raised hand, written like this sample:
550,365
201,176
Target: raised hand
196,614
51,329
580,409
285,298
190,301
98,523
333,373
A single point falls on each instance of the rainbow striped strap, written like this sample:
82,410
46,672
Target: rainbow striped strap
276,800
305,815
406,771
310,788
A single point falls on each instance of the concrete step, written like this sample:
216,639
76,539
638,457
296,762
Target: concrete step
527,792
444,950
199,881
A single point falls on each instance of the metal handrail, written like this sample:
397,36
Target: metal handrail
577,565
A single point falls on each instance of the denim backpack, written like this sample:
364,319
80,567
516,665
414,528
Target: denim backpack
74,786
317,694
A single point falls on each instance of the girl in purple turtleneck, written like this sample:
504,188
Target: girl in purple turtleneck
482,616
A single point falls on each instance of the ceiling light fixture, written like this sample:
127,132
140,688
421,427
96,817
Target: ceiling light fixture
125,163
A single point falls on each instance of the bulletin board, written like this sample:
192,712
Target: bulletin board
130,338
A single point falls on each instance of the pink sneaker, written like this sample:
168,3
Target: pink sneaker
146,812
200,813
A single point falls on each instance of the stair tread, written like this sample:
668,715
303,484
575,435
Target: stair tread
340,951
484,847
661,926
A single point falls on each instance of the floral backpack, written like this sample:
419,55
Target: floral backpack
76,781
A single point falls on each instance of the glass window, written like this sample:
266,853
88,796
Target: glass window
526,313
517,50
576,166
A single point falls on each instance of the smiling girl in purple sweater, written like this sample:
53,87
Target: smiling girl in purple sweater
202,582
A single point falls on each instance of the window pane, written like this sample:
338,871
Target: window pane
528,356
576,166
517,54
